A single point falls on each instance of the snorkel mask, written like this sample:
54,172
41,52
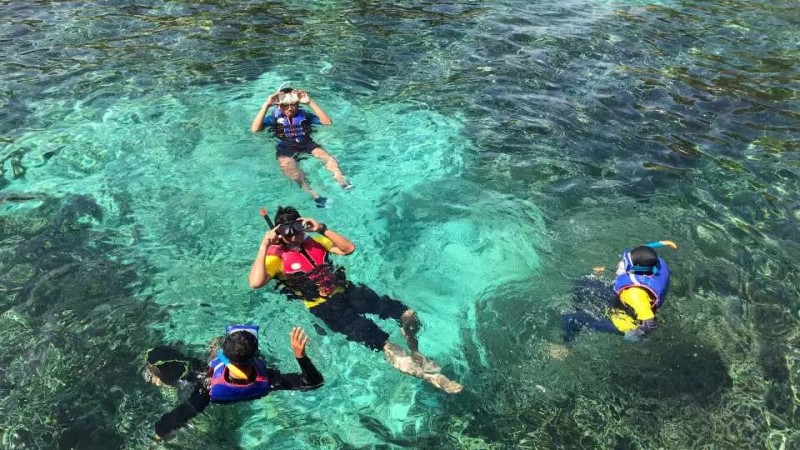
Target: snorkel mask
288,98
252,329
629,266
291,228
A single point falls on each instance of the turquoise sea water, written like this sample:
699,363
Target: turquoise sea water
499,151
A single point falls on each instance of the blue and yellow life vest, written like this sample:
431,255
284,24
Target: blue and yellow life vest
656,282
224,391
297,128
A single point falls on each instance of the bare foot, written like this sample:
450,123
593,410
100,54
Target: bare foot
407,315
418,366
558,351
401,360
427,365
443,383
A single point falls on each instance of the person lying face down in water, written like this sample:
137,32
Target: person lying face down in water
234,373
292,125
301,264
629,309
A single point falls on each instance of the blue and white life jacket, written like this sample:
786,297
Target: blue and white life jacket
297,128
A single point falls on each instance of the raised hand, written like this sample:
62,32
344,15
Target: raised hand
270,237
272,99
298,341
302,96
310,224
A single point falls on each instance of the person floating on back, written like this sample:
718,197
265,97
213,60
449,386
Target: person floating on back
234,373
303,268
640,287
293,127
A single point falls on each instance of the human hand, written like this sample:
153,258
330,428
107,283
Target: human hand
302,96
620,268
310,224
271,100
298,341
634,335
270,237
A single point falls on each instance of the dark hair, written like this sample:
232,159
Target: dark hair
286,214
240,347
644,256
286,89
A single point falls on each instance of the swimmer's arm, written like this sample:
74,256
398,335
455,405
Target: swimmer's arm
323,116
183,413
258,120
259,276
341,245
308,379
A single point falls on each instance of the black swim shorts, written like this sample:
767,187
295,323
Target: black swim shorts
343,313
291,148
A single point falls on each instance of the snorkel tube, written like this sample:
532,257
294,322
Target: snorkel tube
265,215
659,244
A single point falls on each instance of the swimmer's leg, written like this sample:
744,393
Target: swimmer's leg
293,172
406,363
573,323
332,165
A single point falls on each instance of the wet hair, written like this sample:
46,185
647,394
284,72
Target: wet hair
644,256
286,214
240,347
286,89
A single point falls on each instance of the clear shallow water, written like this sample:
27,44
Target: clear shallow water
499,151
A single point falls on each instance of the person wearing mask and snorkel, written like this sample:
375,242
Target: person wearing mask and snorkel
301,264
640,287
235,372
292,125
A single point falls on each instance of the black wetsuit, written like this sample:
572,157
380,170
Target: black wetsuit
176,369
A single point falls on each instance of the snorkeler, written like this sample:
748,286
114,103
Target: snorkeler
292,126
304,271
640,286
236,373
